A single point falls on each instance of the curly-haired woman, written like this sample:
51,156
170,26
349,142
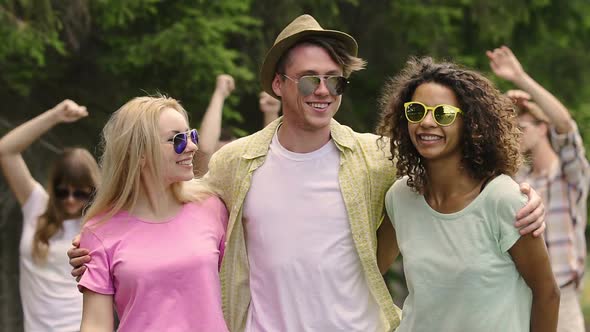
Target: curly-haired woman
455,144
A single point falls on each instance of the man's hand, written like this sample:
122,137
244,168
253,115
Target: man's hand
225,85
531,218
505,64
78,257
68,111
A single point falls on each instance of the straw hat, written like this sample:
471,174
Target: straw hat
301,27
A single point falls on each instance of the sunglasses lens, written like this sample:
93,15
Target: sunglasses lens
194,136
308,84
444,115
61,193
415,112
81,195
336,85
179,141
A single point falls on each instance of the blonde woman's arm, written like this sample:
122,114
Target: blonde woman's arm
97,313
17,140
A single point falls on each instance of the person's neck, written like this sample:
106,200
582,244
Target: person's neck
302,141
543,157
449,186
155,203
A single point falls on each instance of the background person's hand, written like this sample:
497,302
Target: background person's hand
68,111
268,104
521,98
505,64
225,85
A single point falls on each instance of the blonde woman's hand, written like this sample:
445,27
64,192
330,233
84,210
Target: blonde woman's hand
68,111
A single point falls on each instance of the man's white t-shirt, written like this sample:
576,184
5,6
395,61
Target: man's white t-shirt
305,273
50,299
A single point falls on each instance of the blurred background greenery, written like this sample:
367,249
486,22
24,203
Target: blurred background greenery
101,53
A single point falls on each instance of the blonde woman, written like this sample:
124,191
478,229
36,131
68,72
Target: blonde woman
156,248
51,216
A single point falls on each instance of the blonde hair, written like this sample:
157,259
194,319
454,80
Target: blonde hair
75,167
130,139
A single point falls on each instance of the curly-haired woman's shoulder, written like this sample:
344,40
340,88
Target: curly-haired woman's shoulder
503,191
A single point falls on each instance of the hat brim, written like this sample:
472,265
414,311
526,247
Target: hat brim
267,71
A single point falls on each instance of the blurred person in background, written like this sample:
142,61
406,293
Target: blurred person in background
269,106
51,216
211,133
559,172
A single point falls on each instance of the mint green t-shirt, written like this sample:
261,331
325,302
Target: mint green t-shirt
459,273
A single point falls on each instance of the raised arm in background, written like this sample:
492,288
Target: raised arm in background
210,129
13,166
269,106
505,64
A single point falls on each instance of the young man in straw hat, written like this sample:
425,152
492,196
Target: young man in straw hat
305,197
560,172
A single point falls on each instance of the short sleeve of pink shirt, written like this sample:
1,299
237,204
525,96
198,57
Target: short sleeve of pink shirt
97,277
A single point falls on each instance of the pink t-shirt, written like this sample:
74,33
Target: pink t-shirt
164,276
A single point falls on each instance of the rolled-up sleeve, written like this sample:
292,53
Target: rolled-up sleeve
570,148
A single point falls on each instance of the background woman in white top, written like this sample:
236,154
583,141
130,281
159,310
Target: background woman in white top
455,140
51,218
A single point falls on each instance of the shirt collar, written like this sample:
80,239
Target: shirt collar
260,140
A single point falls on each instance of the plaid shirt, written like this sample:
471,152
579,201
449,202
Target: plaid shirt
365,175
564,190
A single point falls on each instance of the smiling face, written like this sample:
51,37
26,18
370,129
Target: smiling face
310,113
175,167
434,142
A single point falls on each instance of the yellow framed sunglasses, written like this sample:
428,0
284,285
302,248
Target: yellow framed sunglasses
443,114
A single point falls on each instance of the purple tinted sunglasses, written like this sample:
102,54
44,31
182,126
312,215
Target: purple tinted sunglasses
180,140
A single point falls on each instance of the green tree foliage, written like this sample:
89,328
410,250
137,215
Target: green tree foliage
28,30
104,52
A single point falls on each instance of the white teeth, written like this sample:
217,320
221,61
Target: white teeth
429,137
185,162
319,105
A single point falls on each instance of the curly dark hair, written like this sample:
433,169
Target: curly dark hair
490,133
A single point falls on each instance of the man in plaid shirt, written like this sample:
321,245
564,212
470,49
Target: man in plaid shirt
559,172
